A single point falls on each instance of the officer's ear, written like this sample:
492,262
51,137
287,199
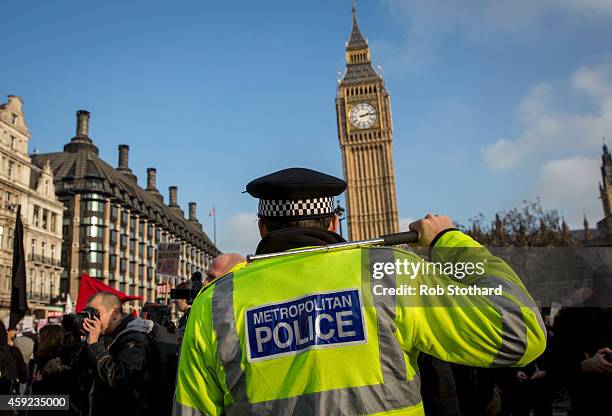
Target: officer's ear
333,225
262,228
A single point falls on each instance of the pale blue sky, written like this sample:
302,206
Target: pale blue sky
492,103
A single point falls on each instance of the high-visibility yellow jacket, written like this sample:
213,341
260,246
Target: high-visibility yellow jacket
338,334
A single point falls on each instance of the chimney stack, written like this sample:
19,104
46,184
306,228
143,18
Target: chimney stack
82,128
151,179
152,184
193,207
173,197
81,141
124,153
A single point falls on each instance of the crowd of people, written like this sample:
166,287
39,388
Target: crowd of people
111,362
124,364
573,376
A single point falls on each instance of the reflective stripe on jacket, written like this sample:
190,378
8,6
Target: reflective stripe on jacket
310,334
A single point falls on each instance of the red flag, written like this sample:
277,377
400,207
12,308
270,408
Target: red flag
90,286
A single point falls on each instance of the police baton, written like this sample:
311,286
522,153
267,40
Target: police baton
395,239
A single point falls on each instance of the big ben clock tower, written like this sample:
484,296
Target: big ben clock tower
365,131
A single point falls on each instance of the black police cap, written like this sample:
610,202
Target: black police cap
296,193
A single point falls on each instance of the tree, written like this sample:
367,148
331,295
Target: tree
526,226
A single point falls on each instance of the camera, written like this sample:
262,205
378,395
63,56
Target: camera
74,322
189,294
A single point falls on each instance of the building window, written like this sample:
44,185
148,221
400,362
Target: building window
43,247
33,248
11,167
92,231
96,257
52,251
10,238
36,216
53,222
93,206
1,237
47,188
95,272
114,213
95,246
45,221
13,139
93,220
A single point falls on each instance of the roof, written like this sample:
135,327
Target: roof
81,170
359,73
356,40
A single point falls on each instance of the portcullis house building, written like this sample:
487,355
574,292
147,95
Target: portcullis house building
112,226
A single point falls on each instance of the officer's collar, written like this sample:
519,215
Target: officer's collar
296,237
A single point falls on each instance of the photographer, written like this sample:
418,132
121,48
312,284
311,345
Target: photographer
123,358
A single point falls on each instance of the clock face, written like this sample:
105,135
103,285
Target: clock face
362,116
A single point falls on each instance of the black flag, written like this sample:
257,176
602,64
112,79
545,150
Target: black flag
19,300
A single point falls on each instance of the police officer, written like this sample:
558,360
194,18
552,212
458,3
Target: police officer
323,334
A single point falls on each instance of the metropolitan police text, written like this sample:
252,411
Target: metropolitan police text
312,321
316,304
414,268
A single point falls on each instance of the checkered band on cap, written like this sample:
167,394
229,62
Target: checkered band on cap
296,208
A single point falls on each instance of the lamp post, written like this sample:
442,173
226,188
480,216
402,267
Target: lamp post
340,213
52,285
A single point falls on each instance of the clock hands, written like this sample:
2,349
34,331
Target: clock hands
367,114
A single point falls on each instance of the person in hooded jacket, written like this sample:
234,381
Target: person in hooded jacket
124,359
13,369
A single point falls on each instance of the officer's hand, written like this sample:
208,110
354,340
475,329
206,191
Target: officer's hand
598,363
521,376
429,227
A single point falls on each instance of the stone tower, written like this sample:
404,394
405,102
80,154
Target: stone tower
605,193
365,132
